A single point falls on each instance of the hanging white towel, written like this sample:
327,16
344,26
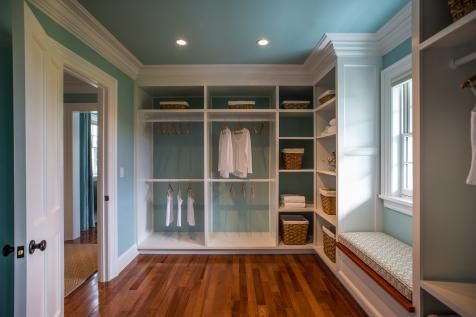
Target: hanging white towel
179,208
242,155
471,180
169,213
190,210
225,153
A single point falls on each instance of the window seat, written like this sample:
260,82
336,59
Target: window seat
385,259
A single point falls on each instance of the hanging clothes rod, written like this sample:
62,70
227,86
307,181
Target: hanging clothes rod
458,62
241,120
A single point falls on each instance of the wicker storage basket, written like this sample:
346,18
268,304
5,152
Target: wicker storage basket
292,158
460,8
328,200
326,96
294,229
329,244
295,104
173,105
241,104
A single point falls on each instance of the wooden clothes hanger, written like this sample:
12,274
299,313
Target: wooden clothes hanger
469,83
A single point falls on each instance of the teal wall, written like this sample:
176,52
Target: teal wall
397,53
6,158
80,98
398,225
125,155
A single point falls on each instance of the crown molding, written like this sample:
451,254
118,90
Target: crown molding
396,30
223,74
74,18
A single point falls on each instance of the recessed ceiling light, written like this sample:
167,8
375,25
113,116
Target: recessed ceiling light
181,42
262,42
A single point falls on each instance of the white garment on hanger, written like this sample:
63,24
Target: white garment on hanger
225,153
471,180
242,155
169,213
190,210
179,208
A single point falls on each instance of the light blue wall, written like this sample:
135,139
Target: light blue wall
6,158
125,155
398,225
397,53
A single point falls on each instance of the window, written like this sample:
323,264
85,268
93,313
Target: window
397,137
94,143
402,105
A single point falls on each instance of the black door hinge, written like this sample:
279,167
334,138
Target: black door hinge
106,198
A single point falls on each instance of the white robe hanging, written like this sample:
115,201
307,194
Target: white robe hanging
471,180
169,212
225,153
179,208
242,155
190,210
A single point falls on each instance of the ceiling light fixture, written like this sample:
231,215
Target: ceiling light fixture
262,42
181,42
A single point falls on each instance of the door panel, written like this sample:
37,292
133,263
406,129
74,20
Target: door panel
44,171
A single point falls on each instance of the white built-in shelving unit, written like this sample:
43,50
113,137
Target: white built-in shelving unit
444,206
192,155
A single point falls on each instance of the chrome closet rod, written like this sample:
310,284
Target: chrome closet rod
458,62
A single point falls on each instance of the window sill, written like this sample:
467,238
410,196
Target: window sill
400,204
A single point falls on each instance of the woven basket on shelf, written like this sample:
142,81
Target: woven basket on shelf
292,158
242,106
460,8
328,200
326,96
295,105
294,229
173,106
329,244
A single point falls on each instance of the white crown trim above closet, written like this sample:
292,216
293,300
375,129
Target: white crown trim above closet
74,18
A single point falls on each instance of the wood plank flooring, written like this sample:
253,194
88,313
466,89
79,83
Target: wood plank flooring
216,285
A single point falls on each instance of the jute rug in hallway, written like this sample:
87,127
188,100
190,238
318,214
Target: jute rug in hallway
80,262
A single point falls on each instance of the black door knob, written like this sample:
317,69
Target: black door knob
33,246
7,249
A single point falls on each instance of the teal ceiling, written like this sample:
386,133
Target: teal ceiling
225,31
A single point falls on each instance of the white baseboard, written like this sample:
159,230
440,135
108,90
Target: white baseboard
126,258
229,252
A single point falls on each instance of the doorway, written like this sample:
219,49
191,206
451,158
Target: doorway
81,149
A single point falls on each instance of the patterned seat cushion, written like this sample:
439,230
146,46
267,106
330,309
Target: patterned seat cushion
387,256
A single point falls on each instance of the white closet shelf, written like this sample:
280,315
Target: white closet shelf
247,115
158,115
460,297
304,170
309,208
328,105
325,136
173,180
454,35
242,240
296,138
173,240
326,172
241,180
332,219
320,251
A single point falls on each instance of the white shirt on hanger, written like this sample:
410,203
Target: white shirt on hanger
225,153
242,156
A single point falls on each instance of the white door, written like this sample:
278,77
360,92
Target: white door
43,172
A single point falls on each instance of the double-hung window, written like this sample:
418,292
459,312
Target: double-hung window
397,138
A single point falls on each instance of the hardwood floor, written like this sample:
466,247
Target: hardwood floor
86,237
216,285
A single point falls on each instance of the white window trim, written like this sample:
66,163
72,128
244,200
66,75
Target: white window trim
391,199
